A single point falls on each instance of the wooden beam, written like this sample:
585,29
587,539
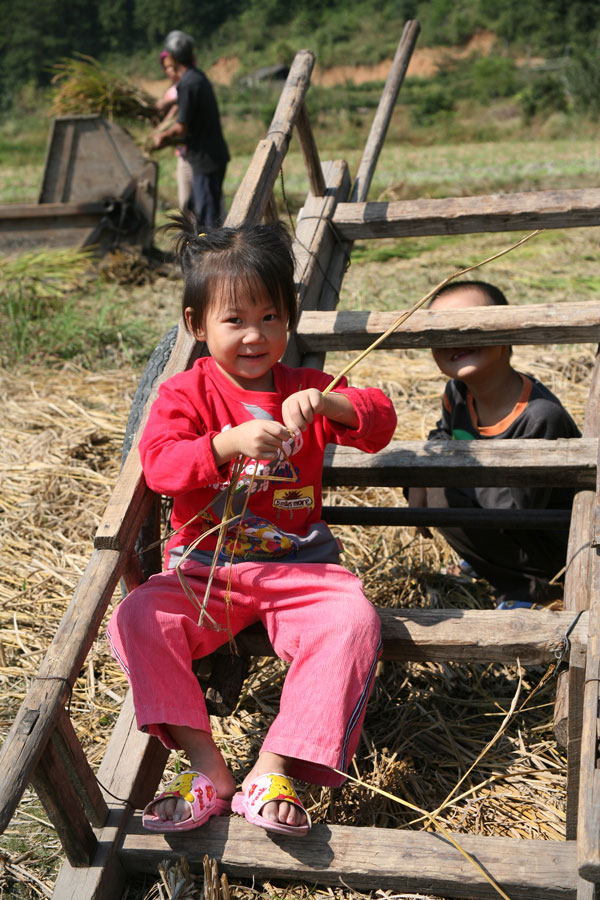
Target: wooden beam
53,785
257,184
588,829
469,635
568,709
310,153
131,769
558,323
78,769
49,693
384,112
399,516
340,257
365,859
436,463
524,211
315,244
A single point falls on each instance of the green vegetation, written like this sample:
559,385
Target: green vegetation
263,32
54,306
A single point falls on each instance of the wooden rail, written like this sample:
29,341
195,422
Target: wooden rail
558,323
525,211
393,859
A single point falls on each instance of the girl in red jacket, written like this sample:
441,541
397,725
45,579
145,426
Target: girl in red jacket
279,562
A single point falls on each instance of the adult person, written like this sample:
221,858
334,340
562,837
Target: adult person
167,107
198,126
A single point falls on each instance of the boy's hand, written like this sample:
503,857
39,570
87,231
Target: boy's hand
300,409
417,496
258,439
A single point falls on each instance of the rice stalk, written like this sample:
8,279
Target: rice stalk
85,87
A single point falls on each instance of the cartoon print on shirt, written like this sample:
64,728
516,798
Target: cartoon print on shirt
255,539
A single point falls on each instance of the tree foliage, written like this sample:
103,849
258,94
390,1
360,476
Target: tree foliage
36,35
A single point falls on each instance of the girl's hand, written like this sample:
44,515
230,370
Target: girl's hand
258,439
299,410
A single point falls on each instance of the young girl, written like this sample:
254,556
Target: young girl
280,559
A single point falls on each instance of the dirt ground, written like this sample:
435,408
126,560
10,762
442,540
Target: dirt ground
424,63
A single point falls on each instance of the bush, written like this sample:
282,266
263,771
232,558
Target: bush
582,77
493,77
545,95
429,103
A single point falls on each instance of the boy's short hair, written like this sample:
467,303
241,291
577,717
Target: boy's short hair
181,47
493,293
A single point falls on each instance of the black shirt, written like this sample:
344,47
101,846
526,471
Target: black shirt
206,148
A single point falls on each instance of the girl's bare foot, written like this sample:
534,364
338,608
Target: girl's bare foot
275,810
205,757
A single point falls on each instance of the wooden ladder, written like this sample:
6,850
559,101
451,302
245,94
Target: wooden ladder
102,837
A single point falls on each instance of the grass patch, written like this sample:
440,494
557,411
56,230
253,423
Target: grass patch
56,306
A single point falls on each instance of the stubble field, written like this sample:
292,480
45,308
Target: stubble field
61,438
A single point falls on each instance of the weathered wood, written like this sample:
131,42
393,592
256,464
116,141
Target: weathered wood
257,185
340,257
568,711
398,860
131,769
586,890
314,244
52,782
436,463
439,635
588,829
45,700
446,518
75,764
558,323
380,124
310,153
469,215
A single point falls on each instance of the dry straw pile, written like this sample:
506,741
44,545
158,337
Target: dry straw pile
426,724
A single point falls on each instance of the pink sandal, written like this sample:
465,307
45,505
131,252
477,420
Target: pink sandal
262,790
199,791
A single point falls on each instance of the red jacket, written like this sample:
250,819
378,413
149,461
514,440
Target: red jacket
283,519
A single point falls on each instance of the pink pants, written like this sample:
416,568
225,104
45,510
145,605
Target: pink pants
318,619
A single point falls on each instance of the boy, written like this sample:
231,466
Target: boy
486,399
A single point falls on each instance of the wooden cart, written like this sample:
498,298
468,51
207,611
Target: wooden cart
102,837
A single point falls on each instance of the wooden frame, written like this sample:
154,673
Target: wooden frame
102,840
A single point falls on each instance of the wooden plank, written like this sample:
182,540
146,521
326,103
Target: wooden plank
539,324
586,890
13,212
400,516
340,257
46,698
524,211
568,711
257,185
74,762
131,769
588,830
469,635
436,463
314,243
366,859
54,787
384,112
310,153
